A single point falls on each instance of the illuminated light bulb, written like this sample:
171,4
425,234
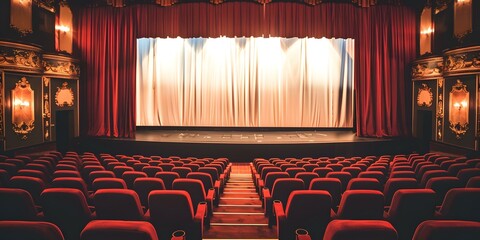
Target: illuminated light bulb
464,104
62,28
457,105
429,30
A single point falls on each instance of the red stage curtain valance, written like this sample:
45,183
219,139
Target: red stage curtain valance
384,37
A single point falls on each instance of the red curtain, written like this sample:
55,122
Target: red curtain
384,46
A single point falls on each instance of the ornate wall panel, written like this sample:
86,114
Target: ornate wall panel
427,68
462,61
20,57
33,86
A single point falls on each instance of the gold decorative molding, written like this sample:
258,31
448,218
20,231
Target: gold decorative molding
23,108
46,108
427,68
424,96
64,96
60,66
458,109
20,57
462,60
440,111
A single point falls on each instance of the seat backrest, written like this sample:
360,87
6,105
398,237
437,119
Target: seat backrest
455,168
119,170
431,174
308,206
344,177
17,204
118,204
34,173
322,171
409,208
294,170
461,204
465,174
331,185
267,170
284,186
108,183
194,188
474,182
204,177
118,230
373,174
394,184
212,171
71,182
144,185
32,185
360,230
67,208
130,176
270,178
354,171
28,230
364,184
441,185
447,230
170,207
307,177
167,178
182,171
361,205
66,173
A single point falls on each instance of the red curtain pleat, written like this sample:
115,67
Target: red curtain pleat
384,46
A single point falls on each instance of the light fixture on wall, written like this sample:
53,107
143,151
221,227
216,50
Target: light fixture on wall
62,28
23,108
427,32
458,111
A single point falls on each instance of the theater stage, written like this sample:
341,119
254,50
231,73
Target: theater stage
244,145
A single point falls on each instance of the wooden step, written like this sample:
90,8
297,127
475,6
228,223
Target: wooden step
239,217
240,232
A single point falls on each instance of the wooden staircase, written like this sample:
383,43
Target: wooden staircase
240,213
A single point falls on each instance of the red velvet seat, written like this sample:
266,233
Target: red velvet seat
394,184
118,204
474,182
431,174
144,185
344,177
198,194
354,171
9,167
373,174
409,208
322,171
66,167
66,173
167,178
34,173
263,173
465,174
306,209
17,204
119,170
364,184
108,183
118,230
139,166
309,167
88,169
270,179
99,174
4,178
447,230
294,170
72,182
208,184
130,176
306,177
27,230
68,209
360,230
441,185
331,185
280,192
455,168
171,210
461,204
182,171
421,172
361,205
32,185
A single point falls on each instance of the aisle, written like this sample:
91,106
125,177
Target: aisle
240,213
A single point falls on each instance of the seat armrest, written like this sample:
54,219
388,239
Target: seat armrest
278,211
210,198
199,219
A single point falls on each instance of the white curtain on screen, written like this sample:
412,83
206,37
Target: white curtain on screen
245,82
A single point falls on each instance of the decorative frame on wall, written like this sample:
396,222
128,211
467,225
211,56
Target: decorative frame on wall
64,96
46,108
23,108
424,96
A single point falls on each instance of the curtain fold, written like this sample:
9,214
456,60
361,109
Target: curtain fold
384,46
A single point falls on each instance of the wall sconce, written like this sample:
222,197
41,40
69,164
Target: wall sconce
427,32
458,111
23,109
61,28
